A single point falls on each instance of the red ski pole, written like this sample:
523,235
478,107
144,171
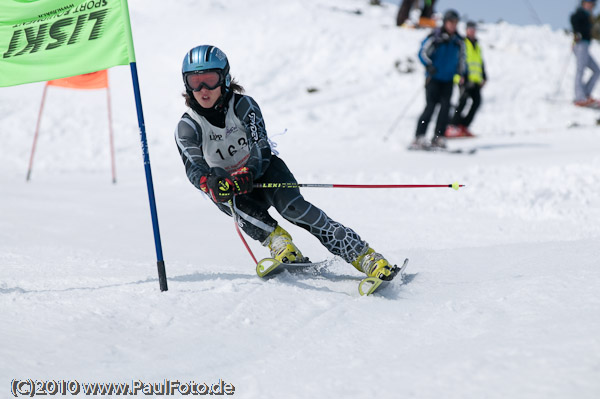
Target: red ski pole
237,228
454,185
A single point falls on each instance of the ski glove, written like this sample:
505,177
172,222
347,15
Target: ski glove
242,181
218,184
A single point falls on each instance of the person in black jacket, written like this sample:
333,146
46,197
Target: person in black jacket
581,21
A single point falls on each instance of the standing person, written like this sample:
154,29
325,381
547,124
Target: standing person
426,20
471,89
442,53
404,11
581,21
223,143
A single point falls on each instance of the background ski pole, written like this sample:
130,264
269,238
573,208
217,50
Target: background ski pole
454,185
561,77
401,116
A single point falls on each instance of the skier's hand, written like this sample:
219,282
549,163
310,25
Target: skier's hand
218,184
242,181
220,188
431,70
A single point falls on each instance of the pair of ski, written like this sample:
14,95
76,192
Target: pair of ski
367,286
431,148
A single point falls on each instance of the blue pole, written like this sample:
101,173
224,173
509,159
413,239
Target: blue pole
162,274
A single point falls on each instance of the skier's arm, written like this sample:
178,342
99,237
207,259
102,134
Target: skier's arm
426,51
248,111
189,143
483,74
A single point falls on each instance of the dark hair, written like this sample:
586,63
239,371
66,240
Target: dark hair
234,87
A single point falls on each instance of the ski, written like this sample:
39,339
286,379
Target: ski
371,284
270,266
466,151
430,148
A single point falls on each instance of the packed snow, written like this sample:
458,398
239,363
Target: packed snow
501,297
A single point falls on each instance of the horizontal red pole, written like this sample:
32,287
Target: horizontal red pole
298,185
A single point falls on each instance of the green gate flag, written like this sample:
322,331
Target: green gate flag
51,39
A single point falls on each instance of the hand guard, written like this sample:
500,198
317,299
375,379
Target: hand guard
242,181
219,185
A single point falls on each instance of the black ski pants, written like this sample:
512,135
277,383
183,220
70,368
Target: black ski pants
253,217
472,91
404,11
436,92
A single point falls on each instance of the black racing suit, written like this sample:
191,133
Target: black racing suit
252,208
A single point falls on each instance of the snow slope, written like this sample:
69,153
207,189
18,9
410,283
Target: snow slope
502,297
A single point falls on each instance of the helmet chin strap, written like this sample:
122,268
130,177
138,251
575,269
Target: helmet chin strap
219,103
225,96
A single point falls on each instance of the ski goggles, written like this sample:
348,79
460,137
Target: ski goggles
210,80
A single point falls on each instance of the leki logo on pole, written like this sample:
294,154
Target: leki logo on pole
63,27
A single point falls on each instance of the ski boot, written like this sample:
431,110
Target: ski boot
419,143
453,131
439,142
373,264
282,248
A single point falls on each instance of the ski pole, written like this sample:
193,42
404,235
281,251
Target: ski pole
562,75
534,13
401,116
454,185
237,227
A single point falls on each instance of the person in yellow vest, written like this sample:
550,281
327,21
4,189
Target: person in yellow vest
474,80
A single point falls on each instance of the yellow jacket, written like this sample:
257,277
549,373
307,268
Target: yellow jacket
474,60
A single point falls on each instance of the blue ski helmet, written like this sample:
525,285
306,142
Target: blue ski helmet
203,59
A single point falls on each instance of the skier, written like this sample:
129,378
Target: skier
581,21
442,53
223,143
474,81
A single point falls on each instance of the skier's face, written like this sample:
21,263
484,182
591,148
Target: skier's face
207,98
471,33
450,26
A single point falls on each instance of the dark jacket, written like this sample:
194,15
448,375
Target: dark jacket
189,138
581,21
443,55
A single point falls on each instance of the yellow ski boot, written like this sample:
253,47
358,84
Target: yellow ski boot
373,264
282,248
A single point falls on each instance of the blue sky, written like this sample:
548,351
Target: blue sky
519,12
